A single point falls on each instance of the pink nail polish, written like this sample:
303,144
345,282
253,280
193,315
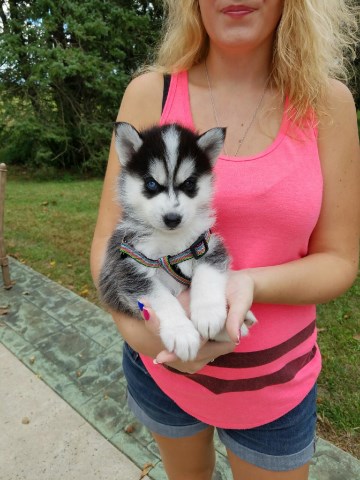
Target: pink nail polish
146,314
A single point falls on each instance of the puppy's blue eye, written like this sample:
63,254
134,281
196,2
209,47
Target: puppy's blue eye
151,185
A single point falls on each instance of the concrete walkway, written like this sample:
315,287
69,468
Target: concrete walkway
42,437
62,395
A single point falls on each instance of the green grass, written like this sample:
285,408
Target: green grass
339,393
49,226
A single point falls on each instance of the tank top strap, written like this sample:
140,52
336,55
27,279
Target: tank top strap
177,104
166,87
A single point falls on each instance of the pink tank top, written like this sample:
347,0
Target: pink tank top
267,207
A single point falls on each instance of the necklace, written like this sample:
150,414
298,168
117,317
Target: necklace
252,120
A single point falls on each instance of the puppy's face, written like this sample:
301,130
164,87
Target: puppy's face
166,179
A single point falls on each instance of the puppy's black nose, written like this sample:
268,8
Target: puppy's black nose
172,220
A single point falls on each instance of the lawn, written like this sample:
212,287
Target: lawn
49,226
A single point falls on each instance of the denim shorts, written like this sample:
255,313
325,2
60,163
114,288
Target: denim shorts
282,445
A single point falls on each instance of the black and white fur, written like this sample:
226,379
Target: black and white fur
165,190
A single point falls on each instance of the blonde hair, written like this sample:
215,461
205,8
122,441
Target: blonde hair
315,41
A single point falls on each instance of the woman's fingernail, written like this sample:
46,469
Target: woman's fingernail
155,362
239,337
141,306
146,314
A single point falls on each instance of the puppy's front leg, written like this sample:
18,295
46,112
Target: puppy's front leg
177,332
208,300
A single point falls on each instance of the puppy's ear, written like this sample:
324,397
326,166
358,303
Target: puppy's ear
127,141
211,143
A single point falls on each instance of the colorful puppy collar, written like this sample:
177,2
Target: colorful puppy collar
169,262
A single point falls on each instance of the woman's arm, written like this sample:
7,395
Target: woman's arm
331,265
140,106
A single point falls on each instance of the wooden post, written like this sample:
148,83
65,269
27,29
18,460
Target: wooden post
3,258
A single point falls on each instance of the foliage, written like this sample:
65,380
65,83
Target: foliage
64,67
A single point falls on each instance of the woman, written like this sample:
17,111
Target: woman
287,203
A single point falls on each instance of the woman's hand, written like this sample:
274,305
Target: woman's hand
208,351
240,292
240,296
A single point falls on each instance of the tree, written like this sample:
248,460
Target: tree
64,67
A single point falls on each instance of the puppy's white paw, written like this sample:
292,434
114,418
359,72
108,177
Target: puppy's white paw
181,338
209,319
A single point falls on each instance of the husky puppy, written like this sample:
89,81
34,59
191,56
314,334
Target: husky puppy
163,239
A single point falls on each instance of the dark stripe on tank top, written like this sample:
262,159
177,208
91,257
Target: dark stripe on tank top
219,386
262,357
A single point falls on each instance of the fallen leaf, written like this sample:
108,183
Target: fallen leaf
25,421
319,330
129,428
146,469
44,204
4,311
52,263
84,292
32,360
357,337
